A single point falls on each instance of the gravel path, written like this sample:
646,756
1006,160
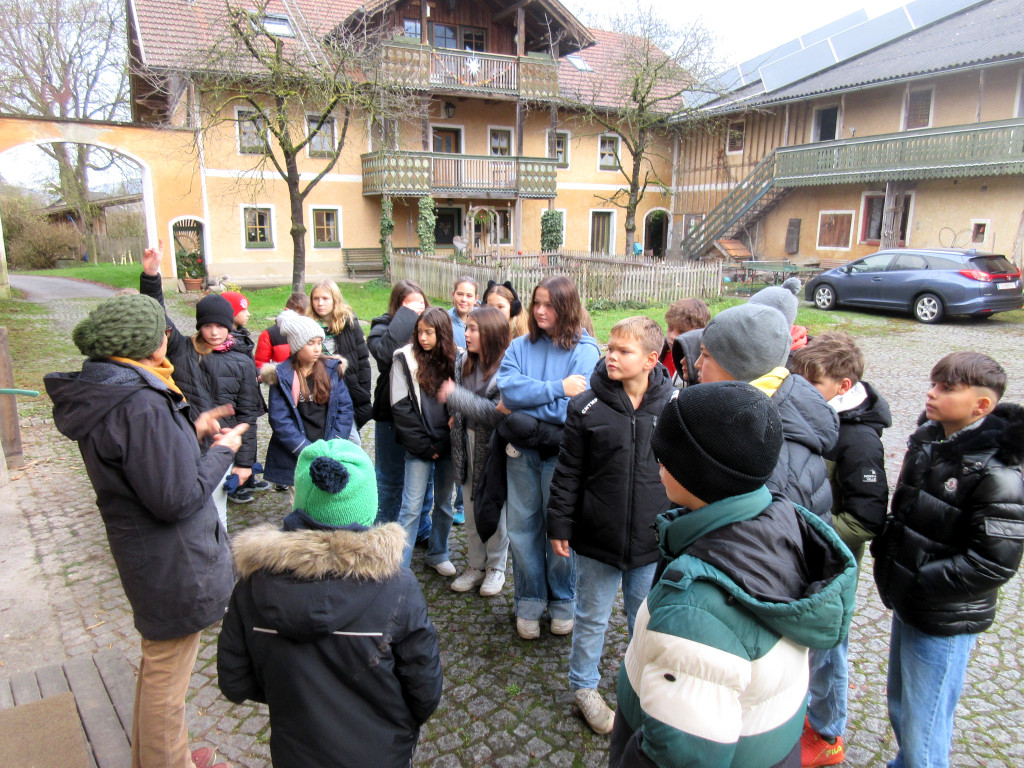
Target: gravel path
50,290
506,702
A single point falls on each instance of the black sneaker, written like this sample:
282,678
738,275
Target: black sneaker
241,496
281,488
258,485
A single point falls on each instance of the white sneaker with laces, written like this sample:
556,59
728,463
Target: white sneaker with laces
528,629
445,569
493,582
471,579
562,627
595,711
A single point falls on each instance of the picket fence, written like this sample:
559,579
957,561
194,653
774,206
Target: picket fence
595,278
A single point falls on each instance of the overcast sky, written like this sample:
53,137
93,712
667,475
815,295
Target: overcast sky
744,28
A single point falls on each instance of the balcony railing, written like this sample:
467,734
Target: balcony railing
415,174
989,149
443,69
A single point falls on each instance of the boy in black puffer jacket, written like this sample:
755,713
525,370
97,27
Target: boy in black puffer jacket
954,535
606,495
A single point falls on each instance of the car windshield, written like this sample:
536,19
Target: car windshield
993,265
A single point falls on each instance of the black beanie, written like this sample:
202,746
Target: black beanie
214,309
719,439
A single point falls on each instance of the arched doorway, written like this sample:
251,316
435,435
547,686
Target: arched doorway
656,232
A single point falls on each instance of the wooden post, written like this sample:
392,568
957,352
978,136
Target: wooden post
520,32
424,37
10,429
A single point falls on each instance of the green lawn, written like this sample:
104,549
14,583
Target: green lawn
115,275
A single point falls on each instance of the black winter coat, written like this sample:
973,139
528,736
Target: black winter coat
956,529
857,464
407,411
463,403
328,628
350,344
154,491
230,377
606,492
181,353
810,428
387,335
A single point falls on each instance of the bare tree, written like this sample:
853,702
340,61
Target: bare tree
297,92
66,59
652,86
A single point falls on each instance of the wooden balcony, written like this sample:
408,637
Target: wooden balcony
443,70
416,174
981,149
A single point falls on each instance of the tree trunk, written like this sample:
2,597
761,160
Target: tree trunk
298,228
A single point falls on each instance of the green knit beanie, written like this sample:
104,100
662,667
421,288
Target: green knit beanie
335,483
130,326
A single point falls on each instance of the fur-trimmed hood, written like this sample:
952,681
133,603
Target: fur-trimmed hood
371,555
1003,428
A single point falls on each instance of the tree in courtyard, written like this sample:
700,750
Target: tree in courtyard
66,59
652,86
297,92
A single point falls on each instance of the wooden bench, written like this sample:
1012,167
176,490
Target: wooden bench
104,689
368,261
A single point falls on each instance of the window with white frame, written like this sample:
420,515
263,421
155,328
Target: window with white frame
321,136
501,142
602,239
826,124
258,227
735,133
835,228
874,213
278,24
1018,110
561,149
252,132
608,153
326,229
919,109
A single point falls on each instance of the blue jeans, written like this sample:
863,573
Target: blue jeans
830,682
596,586
543,580
926,676
418,475
390,469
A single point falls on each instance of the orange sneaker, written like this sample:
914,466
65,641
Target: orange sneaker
816,751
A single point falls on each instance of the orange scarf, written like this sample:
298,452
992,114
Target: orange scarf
162,371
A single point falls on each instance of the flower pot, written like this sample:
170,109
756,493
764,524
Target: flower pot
193,283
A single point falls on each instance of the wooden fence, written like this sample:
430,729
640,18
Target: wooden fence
116,250
595,278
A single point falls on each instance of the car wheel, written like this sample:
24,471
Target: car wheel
825,297
928,308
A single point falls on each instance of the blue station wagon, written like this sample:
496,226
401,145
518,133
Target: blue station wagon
928,283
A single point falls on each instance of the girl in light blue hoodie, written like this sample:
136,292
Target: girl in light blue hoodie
538,375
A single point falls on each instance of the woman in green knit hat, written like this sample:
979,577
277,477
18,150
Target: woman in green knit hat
153,489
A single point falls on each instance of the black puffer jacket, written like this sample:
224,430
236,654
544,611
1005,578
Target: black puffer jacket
154,491
350,344
230,377
810,428
412,429
462,404
387,335
606,492
956,529
181,353
329,629
857,466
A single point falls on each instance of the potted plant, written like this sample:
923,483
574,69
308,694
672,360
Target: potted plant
191,269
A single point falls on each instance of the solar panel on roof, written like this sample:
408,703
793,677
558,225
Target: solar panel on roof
798,66
926,11
871,34
834,28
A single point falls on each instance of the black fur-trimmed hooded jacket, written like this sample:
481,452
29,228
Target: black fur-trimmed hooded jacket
328,628
955,531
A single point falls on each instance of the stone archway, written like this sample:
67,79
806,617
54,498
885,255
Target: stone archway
656,232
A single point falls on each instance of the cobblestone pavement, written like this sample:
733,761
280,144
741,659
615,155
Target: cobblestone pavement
506,702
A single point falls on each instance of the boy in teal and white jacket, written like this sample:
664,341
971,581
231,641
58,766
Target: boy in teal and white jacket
716,672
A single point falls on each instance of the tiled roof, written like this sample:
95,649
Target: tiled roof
174,33
603,86
989,32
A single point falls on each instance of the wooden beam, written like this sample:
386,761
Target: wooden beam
424,37
510,10
520,32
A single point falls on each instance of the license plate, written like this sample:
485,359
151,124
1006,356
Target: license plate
1006,286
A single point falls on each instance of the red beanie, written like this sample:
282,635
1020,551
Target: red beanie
237,301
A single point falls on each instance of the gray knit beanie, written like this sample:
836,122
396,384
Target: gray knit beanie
782,297
298,329
748,341
124,326
719,439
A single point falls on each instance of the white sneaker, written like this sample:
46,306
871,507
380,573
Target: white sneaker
563,627
493,583
528,629
598,715
512,452
445,569
469,580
